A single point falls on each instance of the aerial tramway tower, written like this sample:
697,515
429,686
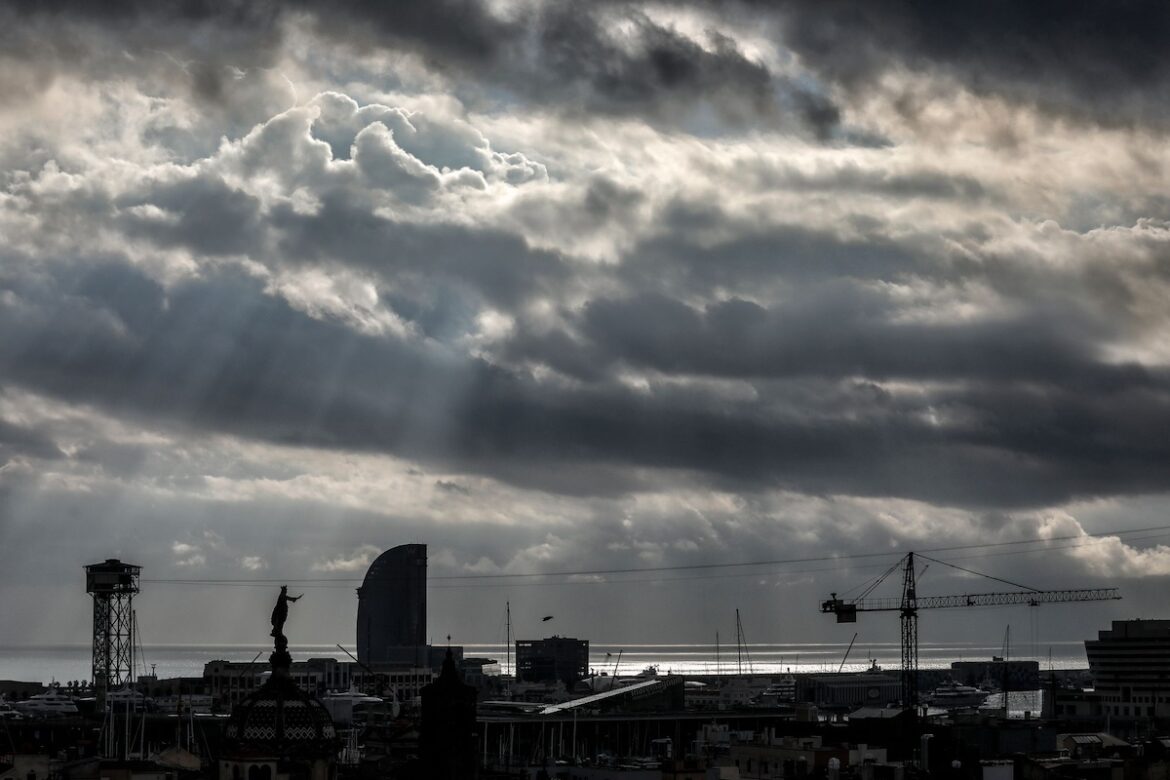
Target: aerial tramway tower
112,585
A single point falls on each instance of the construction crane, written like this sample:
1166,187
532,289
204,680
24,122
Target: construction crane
910,602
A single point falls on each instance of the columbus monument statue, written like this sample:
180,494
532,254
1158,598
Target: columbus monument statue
279,615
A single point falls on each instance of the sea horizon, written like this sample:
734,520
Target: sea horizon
71,661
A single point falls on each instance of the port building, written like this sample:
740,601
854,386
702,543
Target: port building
1130,665
555,658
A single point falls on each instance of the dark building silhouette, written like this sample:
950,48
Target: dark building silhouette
554,658
1130,664
392,608
448,733
279,732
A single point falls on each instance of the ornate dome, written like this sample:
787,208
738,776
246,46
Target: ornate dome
279,719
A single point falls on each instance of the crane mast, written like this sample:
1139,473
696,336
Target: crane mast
909,603
909,612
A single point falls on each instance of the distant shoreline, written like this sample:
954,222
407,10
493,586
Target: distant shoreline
63,662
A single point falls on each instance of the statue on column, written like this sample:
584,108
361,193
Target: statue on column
280,614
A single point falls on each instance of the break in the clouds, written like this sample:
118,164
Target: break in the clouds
561,287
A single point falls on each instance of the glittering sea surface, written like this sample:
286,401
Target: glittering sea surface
72,662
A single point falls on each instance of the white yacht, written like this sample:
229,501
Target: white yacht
52,704
8,712
952,695
347,707
127,698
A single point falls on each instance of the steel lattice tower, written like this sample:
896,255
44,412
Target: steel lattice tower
112,585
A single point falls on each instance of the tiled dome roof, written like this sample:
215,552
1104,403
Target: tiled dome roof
281,719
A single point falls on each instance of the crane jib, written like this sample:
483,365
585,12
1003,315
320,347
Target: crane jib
846,611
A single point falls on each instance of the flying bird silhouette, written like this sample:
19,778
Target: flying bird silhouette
546,618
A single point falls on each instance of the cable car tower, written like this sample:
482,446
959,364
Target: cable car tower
910,602
112,585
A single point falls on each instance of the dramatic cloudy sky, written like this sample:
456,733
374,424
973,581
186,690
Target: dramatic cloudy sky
557,286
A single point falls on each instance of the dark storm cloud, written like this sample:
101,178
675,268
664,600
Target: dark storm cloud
19,440
663,68
98,39
754,256
1091,298
841,331
1104,61
209,216
557,53
462,32
216,353
887,447
115,459
59,29
853,178
220,354
493,264
561,53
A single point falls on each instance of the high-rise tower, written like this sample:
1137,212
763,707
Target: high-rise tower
392,608
112,585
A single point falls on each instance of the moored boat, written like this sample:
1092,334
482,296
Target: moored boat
953,695
51,704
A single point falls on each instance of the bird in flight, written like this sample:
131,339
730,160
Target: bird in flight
546,618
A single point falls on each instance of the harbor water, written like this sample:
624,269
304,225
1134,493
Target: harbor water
47,663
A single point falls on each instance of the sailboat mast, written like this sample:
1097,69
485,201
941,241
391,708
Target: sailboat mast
1007,649
738,643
